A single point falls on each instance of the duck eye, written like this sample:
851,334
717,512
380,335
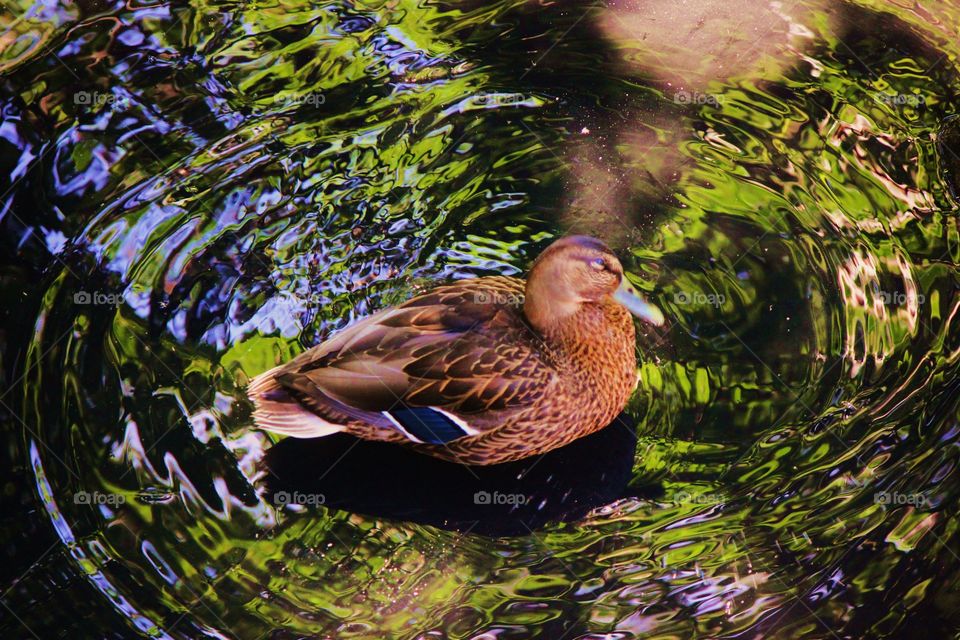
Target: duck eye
598,264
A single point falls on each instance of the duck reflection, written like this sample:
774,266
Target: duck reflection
514,498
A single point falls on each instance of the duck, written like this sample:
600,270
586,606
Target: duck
480,371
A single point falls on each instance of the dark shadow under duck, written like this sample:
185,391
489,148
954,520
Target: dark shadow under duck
513,498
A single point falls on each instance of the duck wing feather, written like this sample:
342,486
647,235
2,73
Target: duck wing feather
464,349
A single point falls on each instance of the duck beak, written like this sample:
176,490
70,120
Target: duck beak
637,304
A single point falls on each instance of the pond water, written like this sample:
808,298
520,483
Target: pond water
193,192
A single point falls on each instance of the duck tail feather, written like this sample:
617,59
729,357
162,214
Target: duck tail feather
276,411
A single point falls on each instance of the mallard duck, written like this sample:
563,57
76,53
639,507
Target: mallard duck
480,371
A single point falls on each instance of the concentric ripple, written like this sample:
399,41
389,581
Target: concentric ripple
224,184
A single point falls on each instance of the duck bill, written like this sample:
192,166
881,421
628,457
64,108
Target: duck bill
637,304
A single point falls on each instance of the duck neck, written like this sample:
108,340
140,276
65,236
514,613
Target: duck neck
567,328
595,334
571,334
546,312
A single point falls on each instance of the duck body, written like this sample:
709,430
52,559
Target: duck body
481,371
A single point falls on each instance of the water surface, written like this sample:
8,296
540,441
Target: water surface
194,192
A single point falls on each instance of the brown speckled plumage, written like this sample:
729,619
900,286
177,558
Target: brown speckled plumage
522,377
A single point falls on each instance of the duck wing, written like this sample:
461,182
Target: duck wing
439,367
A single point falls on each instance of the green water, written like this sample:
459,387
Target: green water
193,192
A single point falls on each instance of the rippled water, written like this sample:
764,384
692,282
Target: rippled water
193,192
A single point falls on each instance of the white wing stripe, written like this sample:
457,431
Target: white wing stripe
467,429
400,428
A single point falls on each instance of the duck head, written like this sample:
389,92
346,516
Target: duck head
574,271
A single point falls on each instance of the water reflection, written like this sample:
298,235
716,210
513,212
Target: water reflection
194,194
